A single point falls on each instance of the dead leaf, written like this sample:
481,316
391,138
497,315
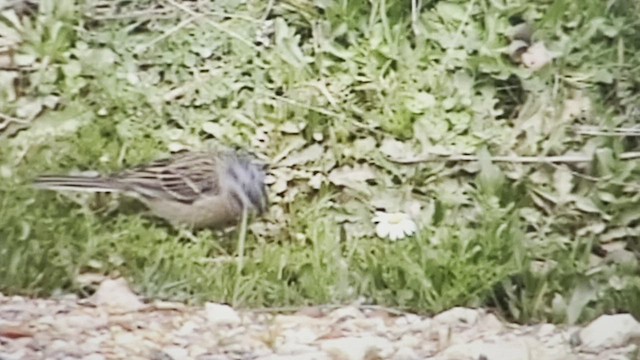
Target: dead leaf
175,147
28,108
10,35
290,195
619,233
14,332
621,256
50,101
363,147
349,176
24,60
317,180
333,333
7,81
175,93
310,153
516,49
90,279
357,229
586,205
49,126
575,107
522,31
396,150
262,137
542,267
563,183
282,177
419,102
389,199
214,129
290,127
310,311
6,59
536,56
594,228
296,142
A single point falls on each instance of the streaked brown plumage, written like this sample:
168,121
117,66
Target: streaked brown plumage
200,189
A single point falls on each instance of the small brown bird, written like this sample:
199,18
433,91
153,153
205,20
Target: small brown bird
199,189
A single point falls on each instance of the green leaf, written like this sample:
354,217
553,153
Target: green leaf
581,296
586,205
451,11
490,178
419,102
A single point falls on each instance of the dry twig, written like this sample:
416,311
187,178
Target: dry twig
514,159
214,24
598,131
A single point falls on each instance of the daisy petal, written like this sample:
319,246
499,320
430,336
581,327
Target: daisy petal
409,227
382,230
394,226
380,217
396,233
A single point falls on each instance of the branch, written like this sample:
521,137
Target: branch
514,159
598,131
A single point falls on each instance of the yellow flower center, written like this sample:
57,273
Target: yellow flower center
396,218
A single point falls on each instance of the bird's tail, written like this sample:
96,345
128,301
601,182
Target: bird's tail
78,183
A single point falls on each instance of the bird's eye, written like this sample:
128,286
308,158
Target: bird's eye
233,173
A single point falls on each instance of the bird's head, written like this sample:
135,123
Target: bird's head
248,176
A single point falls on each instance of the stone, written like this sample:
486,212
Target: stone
409,341
458,316
546,330
375,324
53,328
348,312
358,348
127,341
299,335
316,355
21,354
294,349
84,322
424,326
609,331
196,350
407,320
405,353
294,320
491,323
176,352
523,348
220,314
94,357
117,297
189,327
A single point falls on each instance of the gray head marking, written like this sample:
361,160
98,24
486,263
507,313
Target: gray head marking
248,177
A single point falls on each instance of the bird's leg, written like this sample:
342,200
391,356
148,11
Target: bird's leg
242,236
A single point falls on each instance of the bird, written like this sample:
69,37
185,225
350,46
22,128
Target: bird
199,189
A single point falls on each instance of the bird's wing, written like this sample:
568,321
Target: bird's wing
184,177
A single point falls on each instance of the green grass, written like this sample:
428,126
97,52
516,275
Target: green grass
133,79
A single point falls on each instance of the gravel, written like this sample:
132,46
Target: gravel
108,327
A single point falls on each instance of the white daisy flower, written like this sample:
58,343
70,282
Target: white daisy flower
394,226
536,56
